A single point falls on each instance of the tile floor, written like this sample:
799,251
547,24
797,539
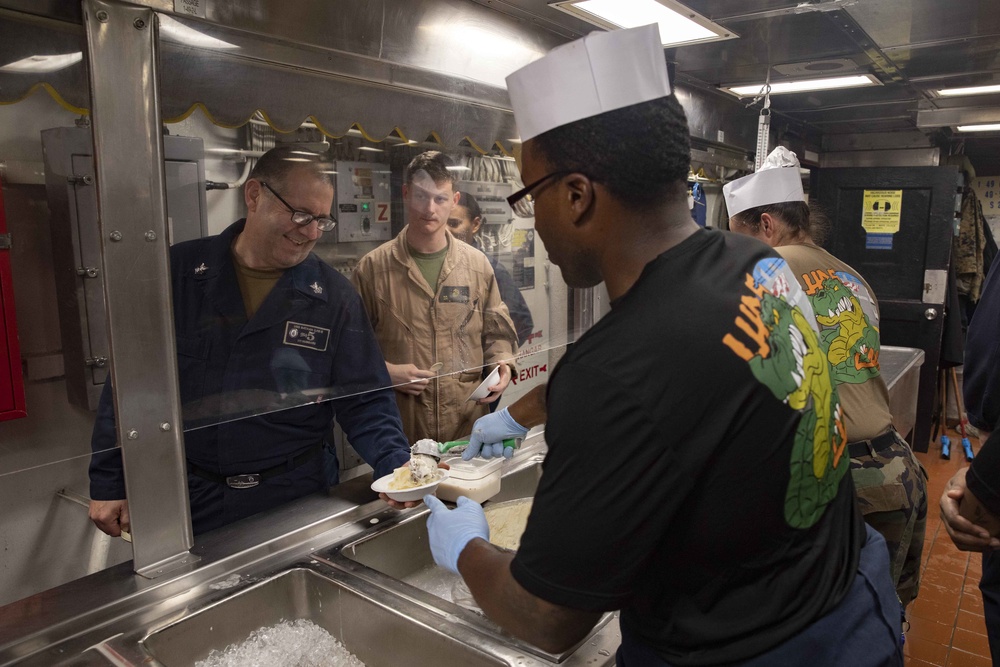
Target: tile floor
946,619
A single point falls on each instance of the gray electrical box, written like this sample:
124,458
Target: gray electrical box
492,199
363,208
76,243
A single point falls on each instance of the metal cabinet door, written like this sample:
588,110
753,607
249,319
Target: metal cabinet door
72,195
908,270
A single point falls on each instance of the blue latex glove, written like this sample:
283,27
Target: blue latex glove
488,434
450,530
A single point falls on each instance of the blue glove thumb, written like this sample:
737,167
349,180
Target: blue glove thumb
475,445
449,531
488,434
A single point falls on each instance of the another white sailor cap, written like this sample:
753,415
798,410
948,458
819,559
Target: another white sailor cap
777,181
602,72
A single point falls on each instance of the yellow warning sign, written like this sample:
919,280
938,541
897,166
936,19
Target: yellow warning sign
881,211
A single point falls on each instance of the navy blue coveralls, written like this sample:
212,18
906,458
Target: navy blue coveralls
309,341
981,391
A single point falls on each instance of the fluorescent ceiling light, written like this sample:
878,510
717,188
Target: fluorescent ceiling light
41,64
976,90
369,149
991,127
175,31
806,85
678,24
458,168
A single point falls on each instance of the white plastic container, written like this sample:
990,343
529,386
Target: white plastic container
478,479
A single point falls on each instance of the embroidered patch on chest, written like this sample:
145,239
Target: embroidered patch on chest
454,295
307,336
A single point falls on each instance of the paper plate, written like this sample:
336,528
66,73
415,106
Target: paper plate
483,390
381,485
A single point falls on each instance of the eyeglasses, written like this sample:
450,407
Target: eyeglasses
525,192
303,218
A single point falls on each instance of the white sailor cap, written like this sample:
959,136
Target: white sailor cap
777,181
602,72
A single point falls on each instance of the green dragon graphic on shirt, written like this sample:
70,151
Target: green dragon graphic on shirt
851,343
790,362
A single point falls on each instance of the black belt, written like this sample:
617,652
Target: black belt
250,480
866,447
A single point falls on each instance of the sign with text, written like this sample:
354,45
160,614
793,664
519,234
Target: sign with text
190,7
529,373
881,211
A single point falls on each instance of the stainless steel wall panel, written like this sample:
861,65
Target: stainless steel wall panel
132,204
23,36
723,9
893,23
784,39
962,116
870,141
422,65
76,242
56,9
903,157
709,114
950,59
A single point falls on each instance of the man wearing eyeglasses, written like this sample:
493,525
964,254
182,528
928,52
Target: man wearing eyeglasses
697,477
434,300
272,343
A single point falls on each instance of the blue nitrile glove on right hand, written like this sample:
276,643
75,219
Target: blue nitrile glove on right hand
450,530
488,434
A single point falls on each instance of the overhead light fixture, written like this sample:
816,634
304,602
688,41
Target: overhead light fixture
175,31
806,85
369,149
975,90
988,127
42,64
678,24
458,168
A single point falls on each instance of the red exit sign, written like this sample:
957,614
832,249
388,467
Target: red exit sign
530,372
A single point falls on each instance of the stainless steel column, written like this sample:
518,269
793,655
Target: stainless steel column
128,151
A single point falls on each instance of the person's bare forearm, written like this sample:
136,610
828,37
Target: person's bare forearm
529,410
554,628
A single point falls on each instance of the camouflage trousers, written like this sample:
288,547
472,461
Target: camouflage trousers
892,495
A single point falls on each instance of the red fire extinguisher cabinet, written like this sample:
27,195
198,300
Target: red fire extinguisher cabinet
12,405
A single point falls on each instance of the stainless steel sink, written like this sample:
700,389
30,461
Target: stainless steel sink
398,557
381,631
356,573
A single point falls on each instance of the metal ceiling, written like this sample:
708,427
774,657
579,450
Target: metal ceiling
912,46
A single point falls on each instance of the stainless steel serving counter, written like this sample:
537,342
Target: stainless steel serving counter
284,564
347,550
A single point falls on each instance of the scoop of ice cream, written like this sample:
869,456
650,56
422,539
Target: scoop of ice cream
419,471
426,446
423,468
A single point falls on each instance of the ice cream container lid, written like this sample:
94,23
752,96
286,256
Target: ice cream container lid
477,468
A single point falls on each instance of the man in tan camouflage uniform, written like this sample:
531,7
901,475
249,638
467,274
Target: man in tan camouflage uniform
891,484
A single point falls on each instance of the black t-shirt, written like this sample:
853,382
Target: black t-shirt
696,474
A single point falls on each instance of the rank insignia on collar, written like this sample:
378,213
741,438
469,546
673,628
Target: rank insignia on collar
316,288
200,269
